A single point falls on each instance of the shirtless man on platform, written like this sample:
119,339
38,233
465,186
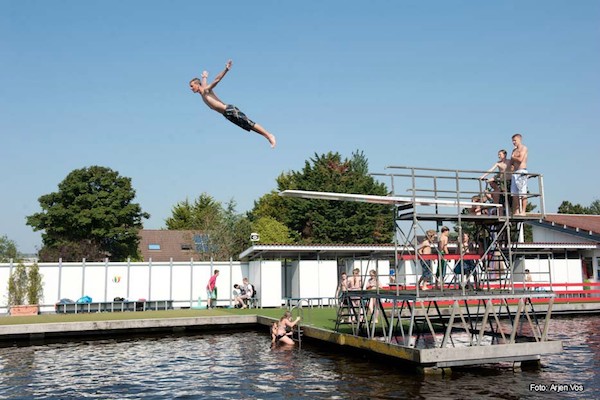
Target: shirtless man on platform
232,113
518,185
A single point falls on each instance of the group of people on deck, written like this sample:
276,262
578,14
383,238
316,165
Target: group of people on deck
466,267
354,283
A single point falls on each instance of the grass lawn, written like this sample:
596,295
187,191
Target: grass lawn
320,317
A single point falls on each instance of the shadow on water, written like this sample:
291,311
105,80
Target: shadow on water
231,364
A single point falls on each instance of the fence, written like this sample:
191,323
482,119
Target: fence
182,282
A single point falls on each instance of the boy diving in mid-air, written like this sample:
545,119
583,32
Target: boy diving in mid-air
232,113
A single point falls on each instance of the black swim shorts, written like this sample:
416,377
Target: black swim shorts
233,114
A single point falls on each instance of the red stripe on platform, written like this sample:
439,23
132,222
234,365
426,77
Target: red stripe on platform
436,256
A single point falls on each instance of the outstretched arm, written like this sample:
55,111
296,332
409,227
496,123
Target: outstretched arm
204,77
489,171
220,76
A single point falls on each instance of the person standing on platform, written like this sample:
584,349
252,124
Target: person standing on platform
342,287
465,268
502,165
498,182
425,249
528,280
518,184
373,284
442,249
355,283
211,290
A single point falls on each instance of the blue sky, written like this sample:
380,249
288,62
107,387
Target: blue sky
440,84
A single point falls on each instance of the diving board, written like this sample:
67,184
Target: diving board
391,200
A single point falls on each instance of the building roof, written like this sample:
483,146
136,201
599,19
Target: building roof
381,251
582,225
166,245
583,222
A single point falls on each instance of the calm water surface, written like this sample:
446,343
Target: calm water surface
237,365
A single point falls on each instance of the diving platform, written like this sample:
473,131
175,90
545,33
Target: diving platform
440,329
452,322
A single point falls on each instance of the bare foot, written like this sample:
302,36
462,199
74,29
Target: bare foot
272,140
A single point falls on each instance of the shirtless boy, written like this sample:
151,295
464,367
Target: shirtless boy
443,249
232,113
502,165
518,185
425,249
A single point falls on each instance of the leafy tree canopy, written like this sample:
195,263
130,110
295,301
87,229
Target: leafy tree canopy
567,208
92,215
272,231
8,249
322,221
225,233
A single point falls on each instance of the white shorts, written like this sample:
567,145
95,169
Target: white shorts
518,182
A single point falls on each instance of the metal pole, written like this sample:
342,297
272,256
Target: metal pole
59,277
106,279
192,283
171,278
82,278
542,200
230,277
149,280
128,275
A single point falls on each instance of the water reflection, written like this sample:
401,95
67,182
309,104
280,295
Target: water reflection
242,365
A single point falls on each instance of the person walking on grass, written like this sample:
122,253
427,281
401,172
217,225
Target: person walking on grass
211,290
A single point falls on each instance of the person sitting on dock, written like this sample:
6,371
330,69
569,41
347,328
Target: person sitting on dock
284,329
425,249
246,292
239,291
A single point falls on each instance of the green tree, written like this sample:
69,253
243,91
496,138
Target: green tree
224,233
566,207
8,250
322,221
35,286
272,231
203,214
17,285
25,283
92,215
595,207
